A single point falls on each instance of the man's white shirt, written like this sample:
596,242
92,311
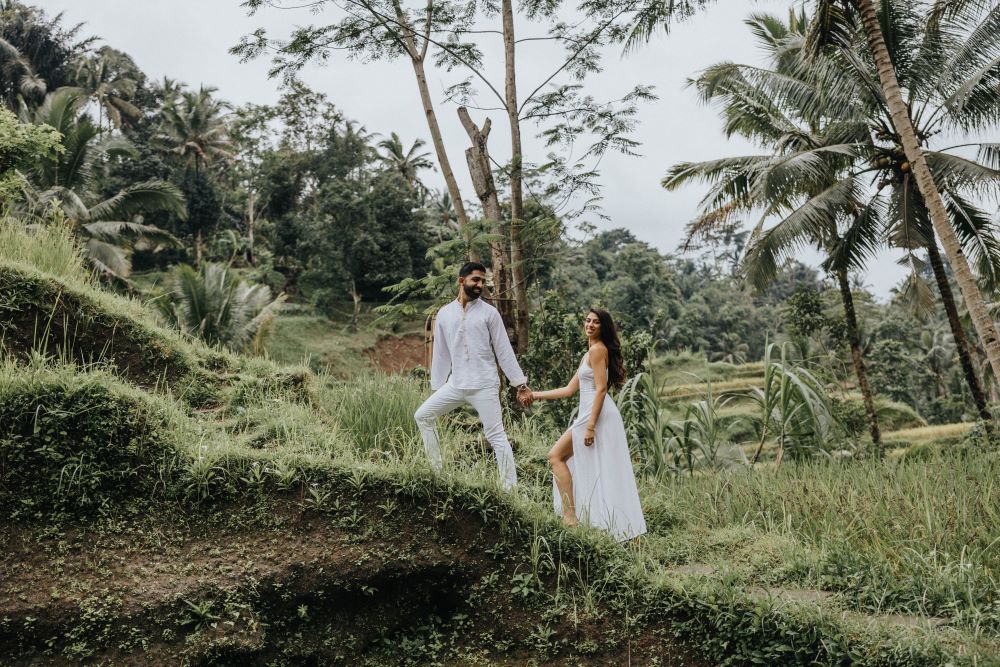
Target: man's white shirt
465,340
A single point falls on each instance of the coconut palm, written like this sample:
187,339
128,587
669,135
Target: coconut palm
802,178
194,129
18,77
967,72
407,163
215,305
107,226
104,79
933,67
856,112
36,52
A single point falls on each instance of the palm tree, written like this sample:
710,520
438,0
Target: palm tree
850,100
24,83
104,79
444,223
407,163
66,180
168,91
806,115
194,128
969,82
215,305
932,68
36,52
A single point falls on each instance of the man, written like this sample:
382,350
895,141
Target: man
469,340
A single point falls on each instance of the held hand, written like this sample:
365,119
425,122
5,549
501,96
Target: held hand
525,396
588,437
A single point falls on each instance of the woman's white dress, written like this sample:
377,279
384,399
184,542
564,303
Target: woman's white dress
604,488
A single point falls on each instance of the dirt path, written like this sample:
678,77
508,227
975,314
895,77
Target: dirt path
398,354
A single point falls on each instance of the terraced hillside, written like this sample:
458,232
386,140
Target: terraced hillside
168,503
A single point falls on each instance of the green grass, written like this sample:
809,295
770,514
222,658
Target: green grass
315,341
50,249
936,433
913,536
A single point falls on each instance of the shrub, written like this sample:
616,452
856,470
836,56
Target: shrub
75,442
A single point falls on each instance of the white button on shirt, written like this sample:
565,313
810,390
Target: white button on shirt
465,340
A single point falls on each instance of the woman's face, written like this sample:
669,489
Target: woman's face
592,325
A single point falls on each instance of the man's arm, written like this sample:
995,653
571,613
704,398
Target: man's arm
440,357
503,351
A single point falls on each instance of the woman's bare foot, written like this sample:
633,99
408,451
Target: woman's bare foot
570,521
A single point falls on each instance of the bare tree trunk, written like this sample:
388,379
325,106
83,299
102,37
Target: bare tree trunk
417,59
251,220
442,155
478,157
517,257
356,296
859,364
957,331
983,322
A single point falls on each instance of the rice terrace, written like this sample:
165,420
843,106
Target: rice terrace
619,332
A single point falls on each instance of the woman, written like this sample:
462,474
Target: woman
594,483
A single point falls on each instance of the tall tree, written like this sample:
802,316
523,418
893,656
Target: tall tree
376,31
406,162
805,112
109,78
194,129
861,135
972,84
36,53
456,31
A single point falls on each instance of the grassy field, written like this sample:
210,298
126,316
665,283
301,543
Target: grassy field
163,498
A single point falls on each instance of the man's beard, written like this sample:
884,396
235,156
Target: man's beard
472,292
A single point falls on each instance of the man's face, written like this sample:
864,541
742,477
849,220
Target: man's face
473,284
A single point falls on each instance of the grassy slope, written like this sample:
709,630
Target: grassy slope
269,499
313,340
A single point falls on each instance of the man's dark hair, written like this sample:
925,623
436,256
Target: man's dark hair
469,267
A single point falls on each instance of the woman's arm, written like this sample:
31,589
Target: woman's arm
598,358
553,394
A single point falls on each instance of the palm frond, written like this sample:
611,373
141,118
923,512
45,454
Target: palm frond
958,173
107,258
805,225
916,296
977,233
860,241
147,197
122,232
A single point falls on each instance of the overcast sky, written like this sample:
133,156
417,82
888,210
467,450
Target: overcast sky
188,40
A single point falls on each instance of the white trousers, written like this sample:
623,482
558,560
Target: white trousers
487,403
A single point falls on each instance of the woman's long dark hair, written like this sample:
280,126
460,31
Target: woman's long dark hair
609,336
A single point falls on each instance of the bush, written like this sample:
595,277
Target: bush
75,442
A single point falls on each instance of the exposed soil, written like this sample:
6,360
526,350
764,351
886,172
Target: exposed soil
398,354
278,584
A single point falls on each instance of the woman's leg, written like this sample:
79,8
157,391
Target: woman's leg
560,453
